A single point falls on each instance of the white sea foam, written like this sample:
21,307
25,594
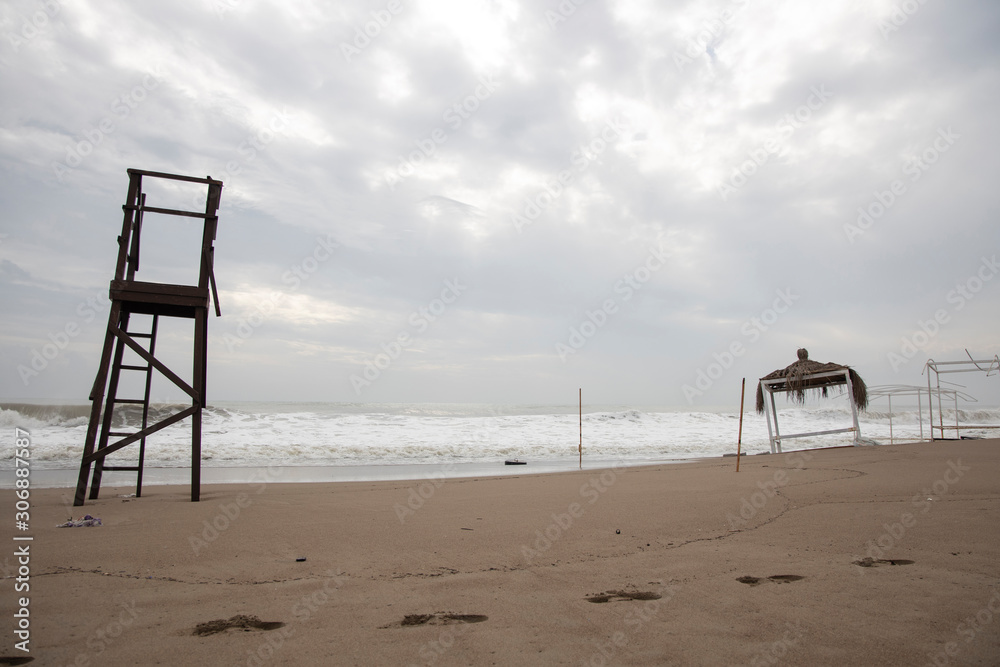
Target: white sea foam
305,434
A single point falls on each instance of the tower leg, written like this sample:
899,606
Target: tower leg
97,399
199,380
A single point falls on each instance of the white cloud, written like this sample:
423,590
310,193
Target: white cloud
224,79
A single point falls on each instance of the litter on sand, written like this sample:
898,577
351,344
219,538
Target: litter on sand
86,522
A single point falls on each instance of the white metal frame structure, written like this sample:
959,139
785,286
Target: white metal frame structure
779,385
891,390
941,367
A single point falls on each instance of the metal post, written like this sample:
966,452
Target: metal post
777,433
930,402
920,413
854,407
940,408
767,416
958,433
891,441
739,438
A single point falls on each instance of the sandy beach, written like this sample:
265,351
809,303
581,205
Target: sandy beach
878,555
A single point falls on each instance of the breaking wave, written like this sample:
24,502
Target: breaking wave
302,434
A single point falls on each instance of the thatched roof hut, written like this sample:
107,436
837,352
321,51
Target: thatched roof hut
800,377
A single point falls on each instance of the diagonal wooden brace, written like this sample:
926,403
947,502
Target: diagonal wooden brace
156,363
124,442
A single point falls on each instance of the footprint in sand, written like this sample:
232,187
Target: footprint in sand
438,618
868,561
239,622
776,578
611,596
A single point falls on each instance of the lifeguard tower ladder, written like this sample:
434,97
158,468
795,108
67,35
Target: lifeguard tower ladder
130,296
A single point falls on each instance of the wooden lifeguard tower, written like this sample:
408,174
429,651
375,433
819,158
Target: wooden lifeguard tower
130,296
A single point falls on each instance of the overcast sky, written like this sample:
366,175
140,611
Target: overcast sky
510,200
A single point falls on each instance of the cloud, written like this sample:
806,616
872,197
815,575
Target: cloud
415,138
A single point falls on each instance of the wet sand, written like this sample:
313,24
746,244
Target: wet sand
876,555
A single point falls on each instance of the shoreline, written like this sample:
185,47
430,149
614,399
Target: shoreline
61,478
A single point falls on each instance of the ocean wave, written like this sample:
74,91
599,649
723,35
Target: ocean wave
630,415
26,415
305,434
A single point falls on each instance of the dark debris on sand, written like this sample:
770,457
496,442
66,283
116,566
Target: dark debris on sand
238,622
608,596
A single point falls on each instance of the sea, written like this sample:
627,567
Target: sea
371,441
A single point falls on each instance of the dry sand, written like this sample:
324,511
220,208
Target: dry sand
631,566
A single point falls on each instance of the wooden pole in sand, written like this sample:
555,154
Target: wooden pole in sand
739,438
581,428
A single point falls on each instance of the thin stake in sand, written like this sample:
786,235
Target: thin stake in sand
581,428
739,438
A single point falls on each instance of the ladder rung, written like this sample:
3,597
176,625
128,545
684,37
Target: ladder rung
123,468
138,335
128,367
116,434
131,401
174,211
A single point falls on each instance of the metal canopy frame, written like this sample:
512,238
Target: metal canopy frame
891,390
780,385
939,368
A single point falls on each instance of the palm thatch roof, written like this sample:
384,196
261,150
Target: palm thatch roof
800,377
